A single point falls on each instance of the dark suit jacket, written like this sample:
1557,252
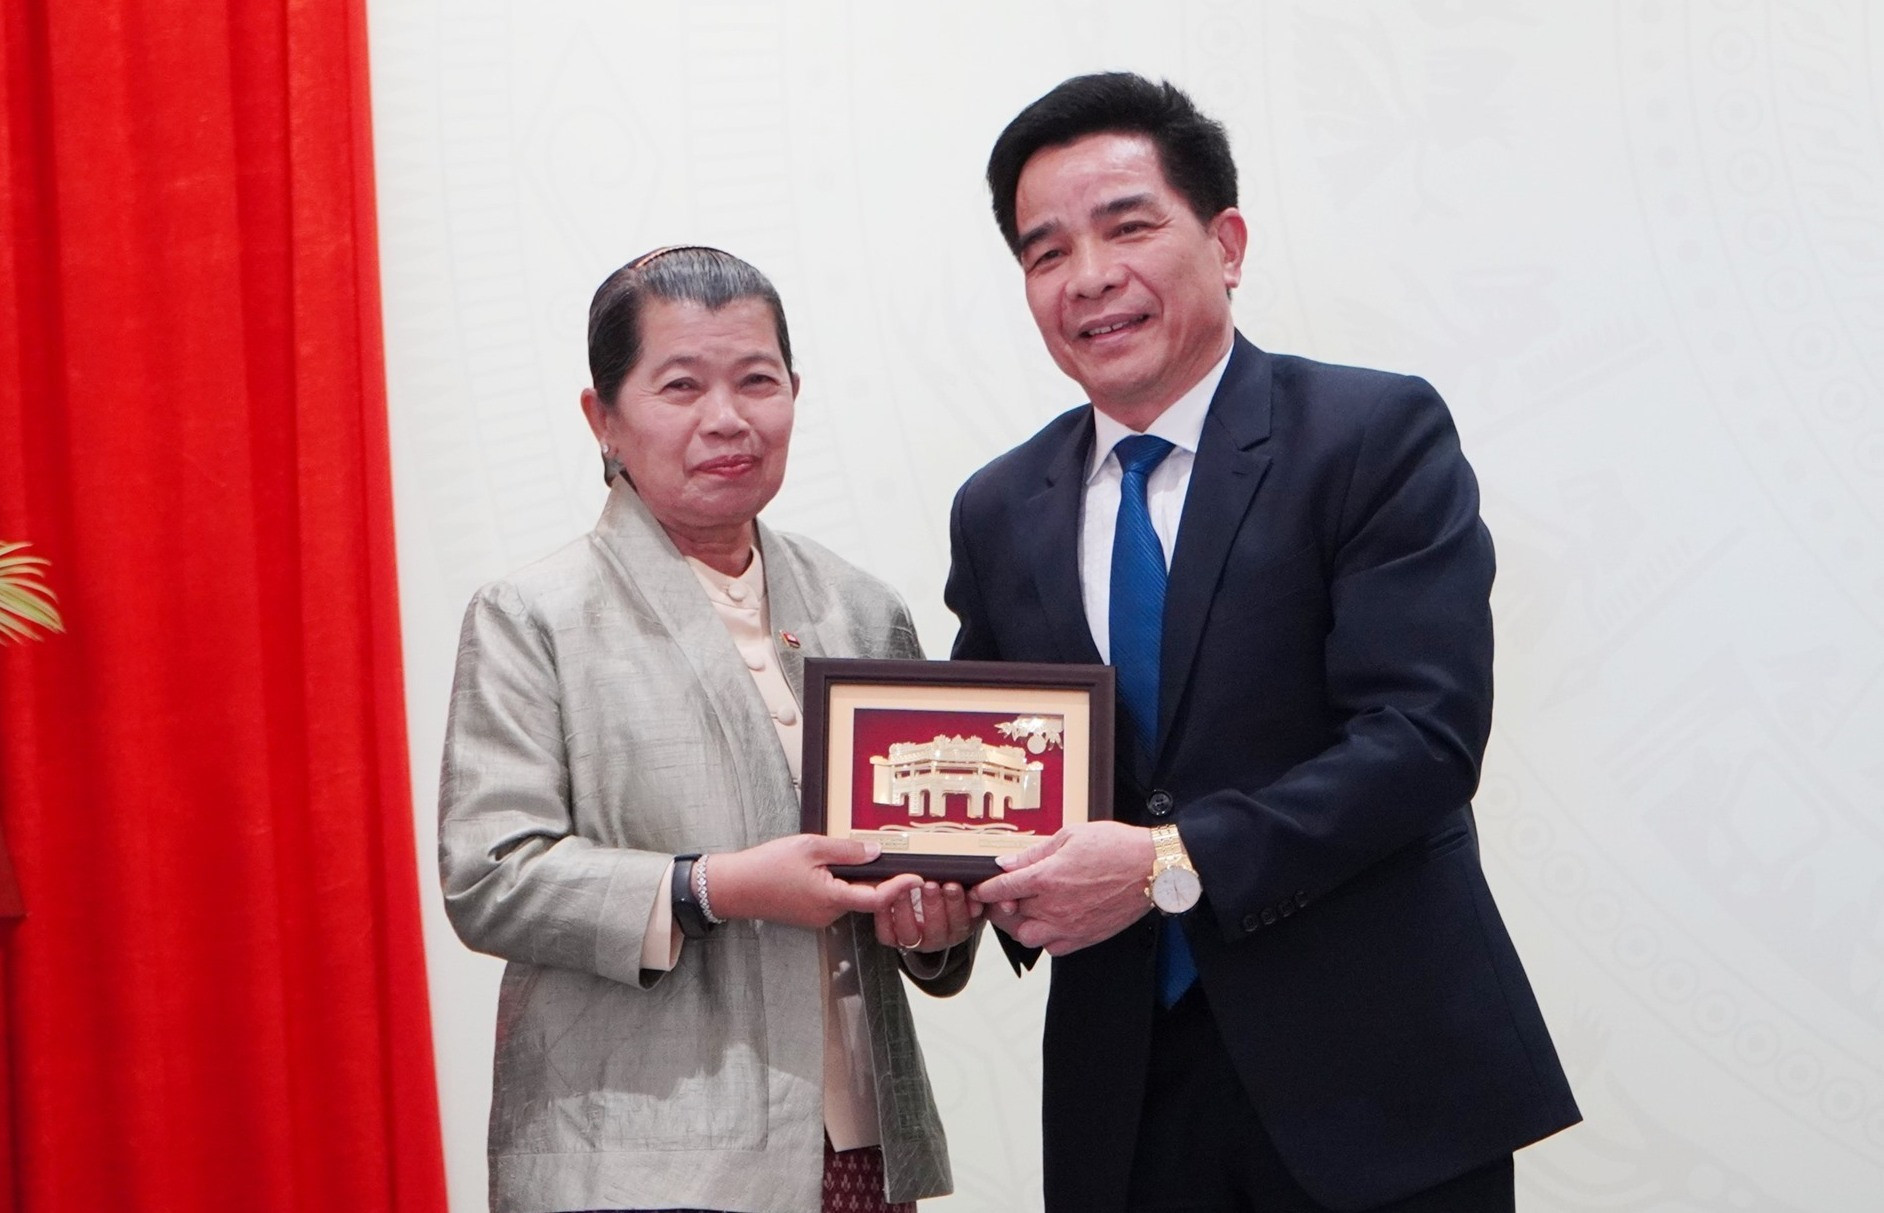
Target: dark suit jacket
1324,699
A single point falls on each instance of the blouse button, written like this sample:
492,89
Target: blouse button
736,592
755,661
786,715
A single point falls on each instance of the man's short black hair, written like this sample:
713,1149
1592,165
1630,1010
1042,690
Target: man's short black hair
1193,150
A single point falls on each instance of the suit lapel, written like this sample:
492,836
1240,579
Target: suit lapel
1229,469
660,576
1050,545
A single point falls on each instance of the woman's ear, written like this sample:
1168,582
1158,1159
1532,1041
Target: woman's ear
597,413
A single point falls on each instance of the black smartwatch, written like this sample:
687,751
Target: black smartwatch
687,911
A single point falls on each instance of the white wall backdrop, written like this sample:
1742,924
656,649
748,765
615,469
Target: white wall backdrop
1640,248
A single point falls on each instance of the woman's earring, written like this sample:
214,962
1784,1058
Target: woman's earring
611,466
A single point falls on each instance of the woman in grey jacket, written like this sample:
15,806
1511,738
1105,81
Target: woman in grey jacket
695,1014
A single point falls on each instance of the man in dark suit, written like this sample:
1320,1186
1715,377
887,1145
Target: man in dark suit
1279,980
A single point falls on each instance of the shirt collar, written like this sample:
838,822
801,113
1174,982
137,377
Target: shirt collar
719,585
1181,425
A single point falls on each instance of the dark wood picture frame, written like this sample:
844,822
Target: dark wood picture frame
1016,686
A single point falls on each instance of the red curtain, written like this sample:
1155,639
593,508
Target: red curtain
217,997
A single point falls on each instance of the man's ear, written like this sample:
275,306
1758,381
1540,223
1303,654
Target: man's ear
1231,232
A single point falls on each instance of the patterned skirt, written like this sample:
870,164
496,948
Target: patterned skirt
853,1183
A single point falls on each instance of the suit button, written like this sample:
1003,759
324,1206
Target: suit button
1250,923
1269,917
1285,908
1159,804
1301,900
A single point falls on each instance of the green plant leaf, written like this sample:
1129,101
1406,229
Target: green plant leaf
26,602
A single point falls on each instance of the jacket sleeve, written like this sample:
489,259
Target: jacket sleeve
903,643
950,977
1408,679
520,882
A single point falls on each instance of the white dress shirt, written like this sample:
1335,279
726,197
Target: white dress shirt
1182,425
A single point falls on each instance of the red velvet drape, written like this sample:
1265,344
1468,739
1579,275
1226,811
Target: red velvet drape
217,998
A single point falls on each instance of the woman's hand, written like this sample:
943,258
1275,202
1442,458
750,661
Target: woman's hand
932,918
788,880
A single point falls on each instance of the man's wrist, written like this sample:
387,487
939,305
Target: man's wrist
1173,885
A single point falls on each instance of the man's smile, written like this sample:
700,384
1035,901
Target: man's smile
1106,326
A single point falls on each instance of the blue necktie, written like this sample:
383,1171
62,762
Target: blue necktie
1136,619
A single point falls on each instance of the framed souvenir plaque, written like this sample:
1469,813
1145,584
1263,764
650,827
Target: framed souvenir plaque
949,764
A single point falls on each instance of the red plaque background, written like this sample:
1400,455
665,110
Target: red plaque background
876,728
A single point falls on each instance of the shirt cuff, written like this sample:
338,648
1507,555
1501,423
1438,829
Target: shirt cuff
660,944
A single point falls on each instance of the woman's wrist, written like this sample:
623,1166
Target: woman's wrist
701,893
725,884
693,913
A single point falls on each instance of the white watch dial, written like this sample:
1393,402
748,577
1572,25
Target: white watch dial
1176,890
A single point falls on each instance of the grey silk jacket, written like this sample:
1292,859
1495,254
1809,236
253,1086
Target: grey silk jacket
601,723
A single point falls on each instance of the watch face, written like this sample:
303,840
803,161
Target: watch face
1176,890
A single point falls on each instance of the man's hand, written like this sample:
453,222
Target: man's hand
1082,886
931,918
788,880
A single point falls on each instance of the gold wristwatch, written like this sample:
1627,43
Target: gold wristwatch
1174,886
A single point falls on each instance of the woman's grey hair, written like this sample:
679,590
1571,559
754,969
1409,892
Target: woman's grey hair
692,273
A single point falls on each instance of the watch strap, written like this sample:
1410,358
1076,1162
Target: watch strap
1168,849
689,915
